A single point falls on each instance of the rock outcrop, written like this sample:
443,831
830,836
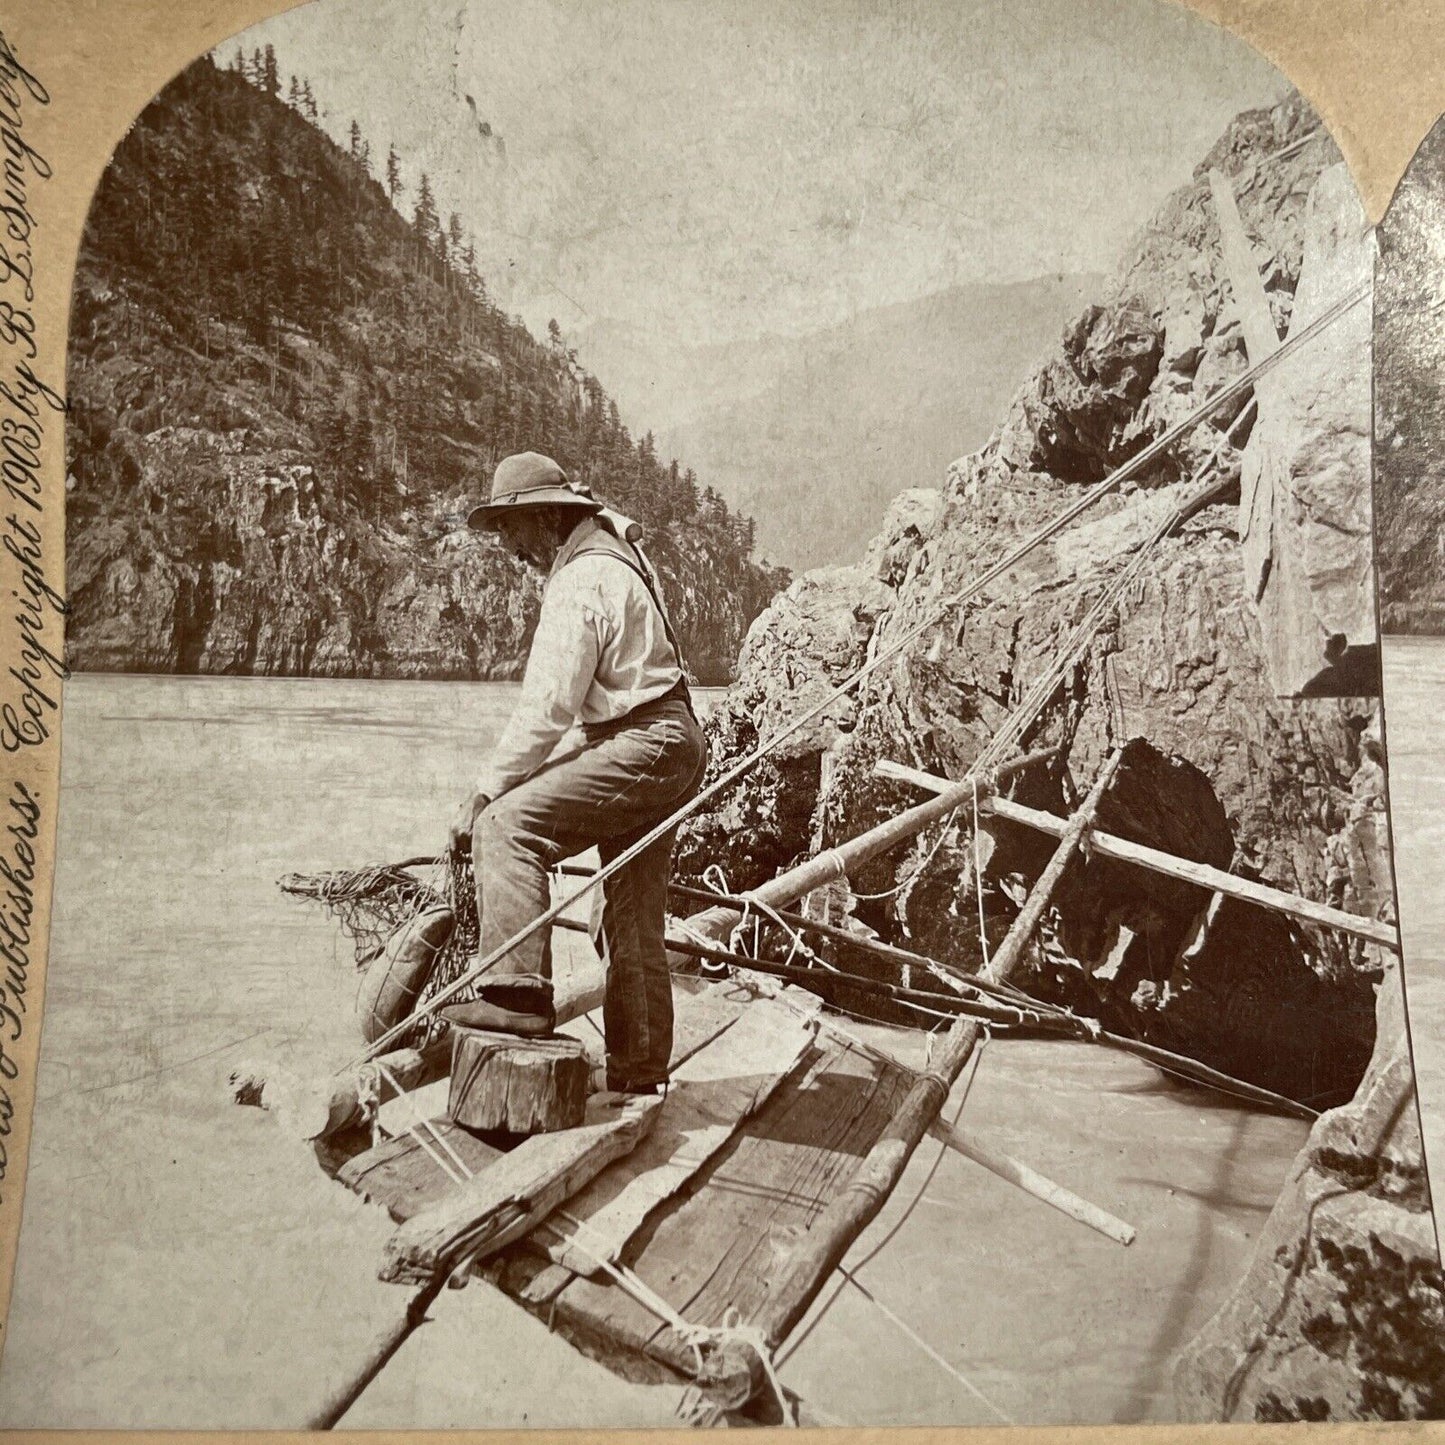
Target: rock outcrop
1306,471
1342,1313
1185,664
1410,398
1225,668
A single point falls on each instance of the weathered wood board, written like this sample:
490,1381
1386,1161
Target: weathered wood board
516,1191
1259,480
700,1012
401,1176
710,1094
718,1244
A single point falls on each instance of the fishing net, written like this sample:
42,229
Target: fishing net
370,904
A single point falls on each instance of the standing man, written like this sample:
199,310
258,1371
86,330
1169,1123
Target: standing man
604,655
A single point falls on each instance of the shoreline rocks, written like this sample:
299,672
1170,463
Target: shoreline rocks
1341,1315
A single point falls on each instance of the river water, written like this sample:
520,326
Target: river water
1414,671
183,1265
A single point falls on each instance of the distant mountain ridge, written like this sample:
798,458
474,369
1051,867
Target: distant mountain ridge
284,398
814,435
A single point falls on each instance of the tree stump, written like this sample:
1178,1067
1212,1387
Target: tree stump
522,1086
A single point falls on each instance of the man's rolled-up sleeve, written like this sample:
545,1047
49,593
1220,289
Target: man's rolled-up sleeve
571,632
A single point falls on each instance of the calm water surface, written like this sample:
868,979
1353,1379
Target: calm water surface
1414,708
183,1265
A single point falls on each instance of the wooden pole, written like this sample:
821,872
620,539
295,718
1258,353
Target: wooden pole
832,1234
834,863
383,1346
1211,880
874,947
316,1108
1185,1067
951,1003
1034,1183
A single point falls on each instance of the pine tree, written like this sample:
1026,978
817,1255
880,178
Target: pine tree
258,67
270,73
469,270
455,235
424,216
293,94
365,156
355,140
394,186
238,63
308,101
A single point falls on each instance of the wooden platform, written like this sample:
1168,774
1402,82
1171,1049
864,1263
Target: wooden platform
768,1120
716,1246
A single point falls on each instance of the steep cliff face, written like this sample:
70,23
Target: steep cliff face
248,571
285,397
1184,665
1410,397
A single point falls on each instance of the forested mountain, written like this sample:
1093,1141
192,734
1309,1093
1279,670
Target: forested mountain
285,396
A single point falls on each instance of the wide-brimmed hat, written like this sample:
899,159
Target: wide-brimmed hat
529,479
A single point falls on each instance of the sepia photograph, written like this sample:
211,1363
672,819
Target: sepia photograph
727,761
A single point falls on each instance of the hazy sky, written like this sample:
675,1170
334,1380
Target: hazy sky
722,168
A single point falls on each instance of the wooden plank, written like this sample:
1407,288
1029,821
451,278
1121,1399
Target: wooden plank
722,1242
700,1012
838,862
707,1099
1214,880
404,1178
1259,480
1261,337
516,1191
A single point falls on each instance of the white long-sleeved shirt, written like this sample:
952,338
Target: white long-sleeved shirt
600,650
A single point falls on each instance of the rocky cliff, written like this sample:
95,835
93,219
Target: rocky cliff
1410,397
285,396
1342,1313
1187,665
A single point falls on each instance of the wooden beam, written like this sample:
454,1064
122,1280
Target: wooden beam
1034,1183
388,1340
1212,880
849,1213
838,862
1260,479
316,1108
1215,880
813,979
956,979
516,1192
1261,336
